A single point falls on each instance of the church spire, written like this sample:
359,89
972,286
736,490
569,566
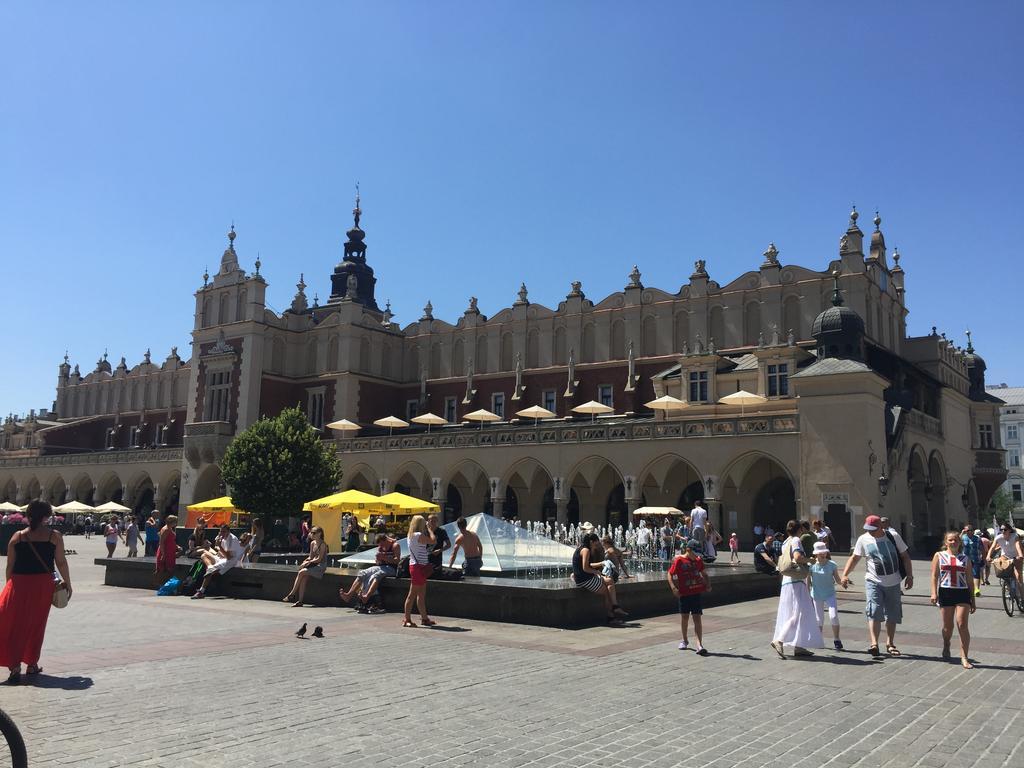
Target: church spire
357,212
353,264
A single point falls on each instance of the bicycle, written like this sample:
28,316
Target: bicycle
1011,598
19,757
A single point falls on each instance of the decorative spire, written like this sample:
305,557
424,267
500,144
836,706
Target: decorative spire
388,314
634,278
428,311
472,309
853,217
837,296
357,212
206,277
877,220
970,344
896,259
299,303
146,357
258,263
229,261
771,256
522,296
316,300
66,360
232,236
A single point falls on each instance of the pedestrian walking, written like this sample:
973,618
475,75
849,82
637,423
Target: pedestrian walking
32,555
688,581
824,575
795,623
152,532
971,548
166,551
698,520
111,533
88,525
882,594
131,537
734,549
953,591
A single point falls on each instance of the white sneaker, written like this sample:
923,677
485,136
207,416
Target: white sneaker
683,645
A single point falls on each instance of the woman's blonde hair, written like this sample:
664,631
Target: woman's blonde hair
315,530
418,524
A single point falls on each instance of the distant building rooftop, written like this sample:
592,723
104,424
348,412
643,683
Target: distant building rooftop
1010,395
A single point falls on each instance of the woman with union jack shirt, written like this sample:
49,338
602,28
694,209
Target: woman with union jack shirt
953,591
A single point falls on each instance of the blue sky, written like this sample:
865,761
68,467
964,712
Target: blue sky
495,143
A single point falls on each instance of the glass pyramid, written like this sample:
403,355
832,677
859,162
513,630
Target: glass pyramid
506,547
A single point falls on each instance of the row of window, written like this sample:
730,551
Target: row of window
135,436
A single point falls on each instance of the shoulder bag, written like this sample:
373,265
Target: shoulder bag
61,596
788,566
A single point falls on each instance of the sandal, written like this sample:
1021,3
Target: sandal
287,598
14,678
298,604
33,669
966,663
408,624
428,622
892,650
778,648
875,653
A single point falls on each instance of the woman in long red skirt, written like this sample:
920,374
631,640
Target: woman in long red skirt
25,602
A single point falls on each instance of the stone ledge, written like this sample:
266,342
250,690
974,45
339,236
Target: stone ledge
550,603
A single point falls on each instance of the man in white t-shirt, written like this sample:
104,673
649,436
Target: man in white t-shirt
698,521
643,538
882,593
1007,544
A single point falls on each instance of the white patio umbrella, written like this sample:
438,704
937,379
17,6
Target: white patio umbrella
593,408
391,422
653,511
743,399
430,419
536,413
483,416
8,507
74,508
667,403
343,425
113,507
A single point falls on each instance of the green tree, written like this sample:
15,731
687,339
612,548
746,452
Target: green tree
1002,504
278,464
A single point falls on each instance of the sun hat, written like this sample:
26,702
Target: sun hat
977,531
872,523
820,548
587,526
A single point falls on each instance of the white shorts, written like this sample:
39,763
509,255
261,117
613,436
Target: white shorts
833,611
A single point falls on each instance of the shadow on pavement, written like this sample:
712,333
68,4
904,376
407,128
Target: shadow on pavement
745,656
69,683
440,628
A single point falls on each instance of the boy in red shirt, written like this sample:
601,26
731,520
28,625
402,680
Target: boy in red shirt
688,581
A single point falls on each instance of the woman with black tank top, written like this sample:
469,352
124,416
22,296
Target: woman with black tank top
25,602
587,575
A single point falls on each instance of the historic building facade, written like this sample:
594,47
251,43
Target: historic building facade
1012,434
857,416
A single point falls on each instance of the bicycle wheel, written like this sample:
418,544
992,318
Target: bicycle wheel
19,758
1009,599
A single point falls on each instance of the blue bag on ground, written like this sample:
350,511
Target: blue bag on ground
170,587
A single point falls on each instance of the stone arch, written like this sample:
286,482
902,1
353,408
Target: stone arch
10,491
533,489
935,493
471,482
459,358
917,480
170,489
682,324
588,351
559,349
751,322
791,316
207,317
669,480
533,348
361,477
649,336
110,488
81,489
243,297
761,490
56,491
412,478
596,483
222,312
208,484
33,490
716,326
617,345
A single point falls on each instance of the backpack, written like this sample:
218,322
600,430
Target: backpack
899,558
444,573
170,587
402,570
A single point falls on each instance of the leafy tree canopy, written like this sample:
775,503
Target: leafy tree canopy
1002,504
278,464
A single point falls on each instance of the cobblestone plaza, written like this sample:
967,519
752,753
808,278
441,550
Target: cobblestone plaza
133,679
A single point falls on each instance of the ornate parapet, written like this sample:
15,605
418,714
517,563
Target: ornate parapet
206,441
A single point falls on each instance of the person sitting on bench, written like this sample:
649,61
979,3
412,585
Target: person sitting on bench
227,555
389,552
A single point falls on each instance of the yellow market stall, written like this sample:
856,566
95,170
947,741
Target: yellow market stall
327,513
216,512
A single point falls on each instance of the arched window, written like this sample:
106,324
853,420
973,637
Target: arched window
533,349
435,360
682,330
459,358
559,353
364,355
507,348
791,316
716,327
332,353
587,354
480,361
385,361
618,340
650,336
311,358
207,321
751,323
222,316
243,296
412,364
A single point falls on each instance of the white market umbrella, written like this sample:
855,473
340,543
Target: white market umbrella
430,419
667,403
344,425
536,413
74,508
111,506
655,511
391,422
483,416
743,399
8,507
593,408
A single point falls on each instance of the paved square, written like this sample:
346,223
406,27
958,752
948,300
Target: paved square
133,679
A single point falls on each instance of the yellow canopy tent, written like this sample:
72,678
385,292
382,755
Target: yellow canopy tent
409,504
215,512
327,512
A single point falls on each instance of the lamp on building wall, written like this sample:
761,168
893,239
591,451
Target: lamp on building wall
883,483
